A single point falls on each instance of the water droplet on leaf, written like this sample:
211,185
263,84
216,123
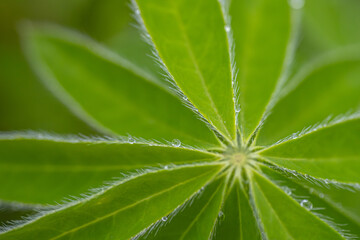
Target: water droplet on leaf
306,204
221,216
287,190
166,167
164,219
131,140
227,28
176,143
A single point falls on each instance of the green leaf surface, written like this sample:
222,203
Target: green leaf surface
108,91
138,202
130,44
328,86
197,57
46,169
283,218
331,152
239,220
262,32
196,219
337,204
332,23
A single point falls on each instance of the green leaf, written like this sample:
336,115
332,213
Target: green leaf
332,23
121,211
239,222
110,92
196,219
44,169
24,101
329,152
284,218
328,86
130,44
336,204
196,56
262,32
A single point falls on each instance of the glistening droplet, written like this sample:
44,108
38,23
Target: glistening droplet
221,216
227,28
306,204
166,167
164,219
287,190
131,140
176,143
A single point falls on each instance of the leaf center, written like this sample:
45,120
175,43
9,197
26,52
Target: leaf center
238,159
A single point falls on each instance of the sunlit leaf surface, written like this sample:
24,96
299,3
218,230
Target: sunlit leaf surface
255,136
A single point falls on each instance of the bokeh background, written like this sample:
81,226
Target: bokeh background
25,104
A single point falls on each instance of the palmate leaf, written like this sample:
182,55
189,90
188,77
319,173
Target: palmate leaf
239,219
110,92
336,74
335,204
98,217
284,218
197,219
130,44
331,152
262,33
195,56
44,169
296,172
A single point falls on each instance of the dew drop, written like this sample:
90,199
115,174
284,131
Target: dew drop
176,143
227,28
306,204
326,181
164,219
137,11
166,167
221,216
202,189
131,140
287,190
297,4
237,109
185,98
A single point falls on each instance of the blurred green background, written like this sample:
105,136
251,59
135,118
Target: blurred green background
26,104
